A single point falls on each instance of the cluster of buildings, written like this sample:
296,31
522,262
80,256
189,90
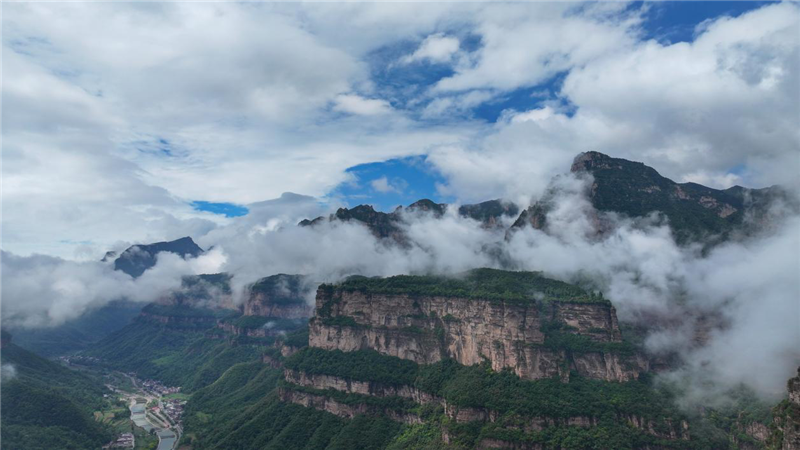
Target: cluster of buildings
125,440
157,388
173,408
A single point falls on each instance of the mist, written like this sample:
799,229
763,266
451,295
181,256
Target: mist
721,312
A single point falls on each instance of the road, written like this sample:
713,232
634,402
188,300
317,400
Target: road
168,435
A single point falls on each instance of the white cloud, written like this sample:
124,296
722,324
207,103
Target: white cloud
355,104
382,185
436,48
695,111
523,45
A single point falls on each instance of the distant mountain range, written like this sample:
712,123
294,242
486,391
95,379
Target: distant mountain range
695,213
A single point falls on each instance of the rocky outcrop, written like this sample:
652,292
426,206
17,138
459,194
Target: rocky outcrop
281,296
370,388
794,389
348,410
459,414
390,225
258,305
507,334
786,419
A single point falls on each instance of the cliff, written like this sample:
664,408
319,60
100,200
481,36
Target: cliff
534,338
316,390
786,419
282,296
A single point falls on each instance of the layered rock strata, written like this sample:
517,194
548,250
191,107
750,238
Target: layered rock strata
426,329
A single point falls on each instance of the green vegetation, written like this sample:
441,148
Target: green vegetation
297,338
47,406
221,281
282,289
366,365
175,356
241,410
480,387
79,333
182,311
489,284
637,190
380,403
254,322
558,336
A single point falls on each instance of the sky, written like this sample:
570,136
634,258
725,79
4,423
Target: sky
138,122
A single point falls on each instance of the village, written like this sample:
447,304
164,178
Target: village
155,408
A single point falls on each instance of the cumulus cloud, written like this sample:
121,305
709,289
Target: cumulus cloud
722,110
355,104
384,186
436,48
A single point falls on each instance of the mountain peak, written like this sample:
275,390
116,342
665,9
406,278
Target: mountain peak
138,258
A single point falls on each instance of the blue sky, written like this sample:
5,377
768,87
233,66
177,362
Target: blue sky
234,104
387,184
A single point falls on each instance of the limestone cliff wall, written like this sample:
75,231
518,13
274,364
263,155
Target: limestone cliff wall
325,403
361,387
261,304
786,419
666,430
508,334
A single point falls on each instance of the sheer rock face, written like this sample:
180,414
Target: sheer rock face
794,389
349,410
282,296
786,419
261,304
425,329
374,389
666,429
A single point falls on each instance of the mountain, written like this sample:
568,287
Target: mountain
695,212
138,258
46,405
785,429
190,336
489,212
78,334
485,359
489,359
389,225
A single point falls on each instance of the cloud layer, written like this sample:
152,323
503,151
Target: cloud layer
120,115
241,102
